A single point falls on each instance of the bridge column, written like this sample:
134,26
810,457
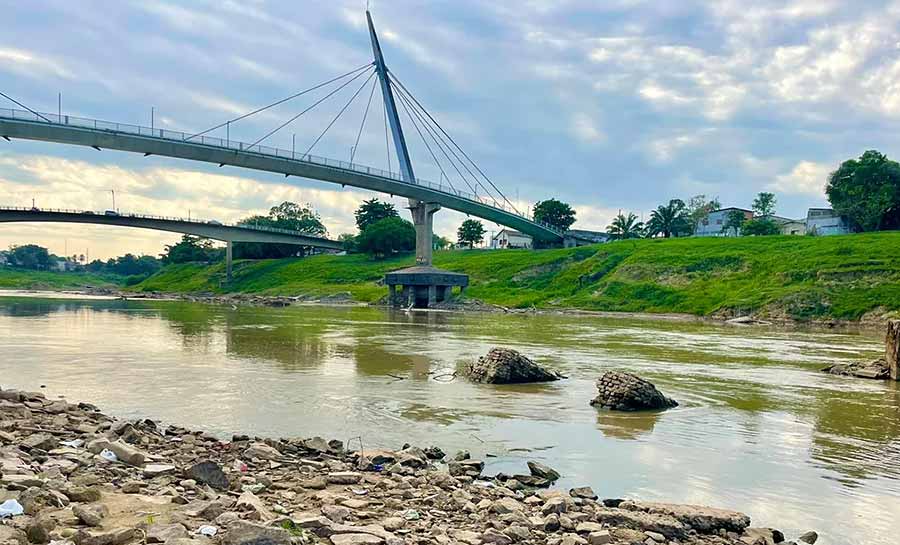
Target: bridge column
423,220
228,259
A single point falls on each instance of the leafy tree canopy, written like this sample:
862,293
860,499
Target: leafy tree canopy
555,213
386,237
624,227
29,256
471,232
760,227
867,192
287,215
372,211
439,242
764,204
190,249
669,220
734,221
698,209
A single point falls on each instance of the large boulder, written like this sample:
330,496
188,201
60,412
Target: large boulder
507,366
626,392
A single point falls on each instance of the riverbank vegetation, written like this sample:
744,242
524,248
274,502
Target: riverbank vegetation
24,279
842,277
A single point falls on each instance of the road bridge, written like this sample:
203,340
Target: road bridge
203,228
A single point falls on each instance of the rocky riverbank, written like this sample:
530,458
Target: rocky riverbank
71,475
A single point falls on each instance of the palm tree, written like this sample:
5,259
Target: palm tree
623,227
669,220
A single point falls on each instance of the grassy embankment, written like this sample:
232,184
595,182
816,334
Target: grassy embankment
799,277
22,279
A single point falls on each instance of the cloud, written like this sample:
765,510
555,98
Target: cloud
585,129
32,64
806,177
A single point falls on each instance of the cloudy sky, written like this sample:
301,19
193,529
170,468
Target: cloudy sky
606,105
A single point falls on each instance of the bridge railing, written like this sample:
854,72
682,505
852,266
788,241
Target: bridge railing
196,221
235,145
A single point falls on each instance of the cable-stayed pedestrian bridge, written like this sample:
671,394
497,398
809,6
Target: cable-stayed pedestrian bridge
65,129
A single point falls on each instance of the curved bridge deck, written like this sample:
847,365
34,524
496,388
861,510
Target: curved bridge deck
208,229
151,141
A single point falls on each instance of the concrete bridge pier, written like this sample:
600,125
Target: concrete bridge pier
228,261
423,220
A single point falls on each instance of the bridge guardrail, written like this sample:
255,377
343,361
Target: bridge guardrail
166,134
197,221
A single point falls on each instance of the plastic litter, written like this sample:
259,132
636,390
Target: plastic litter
411,514
109,455
11,508
240,466
359,491
75,443
207,530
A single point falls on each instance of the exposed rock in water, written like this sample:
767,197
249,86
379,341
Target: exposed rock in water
538,469
884,368
508,366
626,392
877,369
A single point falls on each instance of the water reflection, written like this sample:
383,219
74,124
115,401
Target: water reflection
758,425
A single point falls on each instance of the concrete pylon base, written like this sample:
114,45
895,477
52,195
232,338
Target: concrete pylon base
422,287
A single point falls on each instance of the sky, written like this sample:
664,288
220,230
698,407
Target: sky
614,105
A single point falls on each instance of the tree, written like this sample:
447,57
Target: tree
439,242
191,249
387,236
555,213
734,221
760,227
372,211
669,220
624,227
867,192
348,242
764,204
30,256
471,232
289,216
698,210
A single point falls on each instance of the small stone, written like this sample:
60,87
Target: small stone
133,487
316,483
655,536
162,533
336,513
10,535
38,530
555,505
90,515
506,505
572,539
493,536
247,533
356,539
208,472
261,451
155,470
393,523
507,366
85,494
588,527
344,477
113,537
42,441
248,501
538,469
809,537
585,492
517,532
601,537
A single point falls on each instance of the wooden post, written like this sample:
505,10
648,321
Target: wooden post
892,348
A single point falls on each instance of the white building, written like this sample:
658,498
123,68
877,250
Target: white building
508,238
823,221
713,224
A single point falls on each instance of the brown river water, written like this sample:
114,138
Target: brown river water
759,429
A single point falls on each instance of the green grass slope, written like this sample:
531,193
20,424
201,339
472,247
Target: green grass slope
799,277
21,279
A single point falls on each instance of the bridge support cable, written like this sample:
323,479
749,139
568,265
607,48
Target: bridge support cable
363,123
316,103
340,113
440,145
443,143
413,98
282,101
424,141
387,142
11,99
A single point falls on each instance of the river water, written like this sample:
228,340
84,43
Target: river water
758,430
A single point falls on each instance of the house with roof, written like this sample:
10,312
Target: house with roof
824,221
713,225
510,238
